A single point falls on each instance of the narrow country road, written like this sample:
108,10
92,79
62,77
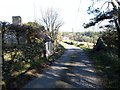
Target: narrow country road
72,70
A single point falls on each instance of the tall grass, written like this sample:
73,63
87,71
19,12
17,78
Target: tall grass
107,65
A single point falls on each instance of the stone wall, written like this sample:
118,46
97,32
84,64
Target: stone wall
10,39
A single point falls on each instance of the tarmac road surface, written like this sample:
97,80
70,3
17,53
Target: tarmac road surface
72,70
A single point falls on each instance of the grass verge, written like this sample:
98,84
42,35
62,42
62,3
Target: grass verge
107,66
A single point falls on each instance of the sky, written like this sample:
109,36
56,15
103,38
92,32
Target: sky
72,12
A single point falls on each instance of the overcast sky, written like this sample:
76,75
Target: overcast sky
72,12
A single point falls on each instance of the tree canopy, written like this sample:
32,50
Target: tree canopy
101,15
112,14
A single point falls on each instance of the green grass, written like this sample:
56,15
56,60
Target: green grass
106,65
22,70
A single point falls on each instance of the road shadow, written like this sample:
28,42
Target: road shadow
72,70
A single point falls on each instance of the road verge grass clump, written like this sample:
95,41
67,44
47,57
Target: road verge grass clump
107,65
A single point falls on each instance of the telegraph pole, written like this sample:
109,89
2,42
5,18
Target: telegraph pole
73,34
34,10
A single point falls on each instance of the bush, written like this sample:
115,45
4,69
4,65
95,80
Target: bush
108,65
100,45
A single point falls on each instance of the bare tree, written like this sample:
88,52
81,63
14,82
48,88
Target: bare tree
52,21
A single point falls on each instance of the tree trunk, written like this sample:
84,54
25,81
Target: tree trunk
116,7
118,43
17,37
118,33
3,31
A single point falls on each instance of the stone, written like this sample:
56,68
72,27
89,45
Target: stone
10,39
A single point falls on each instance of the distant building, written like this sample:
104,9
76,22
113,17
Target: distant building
16,20
65,38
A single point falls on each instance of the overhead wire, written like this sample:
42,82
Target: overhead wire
76,15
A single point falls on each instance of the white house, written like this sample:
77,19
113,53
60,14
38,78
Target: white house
49,48
49,45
